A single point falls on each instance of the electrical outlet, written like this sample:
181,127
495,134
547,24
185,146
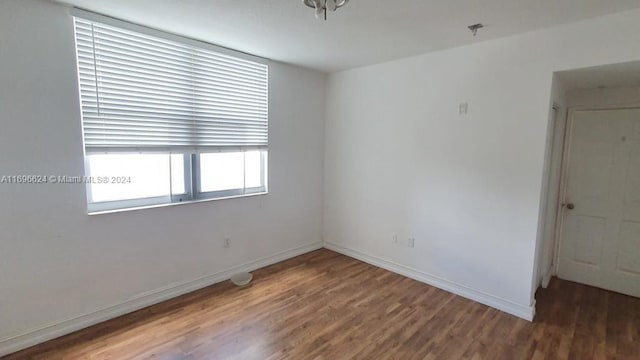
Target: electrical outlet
411,242
227,242
395,238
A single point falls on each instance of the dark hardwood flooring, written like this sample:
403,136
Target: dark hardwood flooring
324,305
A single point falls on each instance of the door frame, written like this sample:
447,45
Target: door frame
564,170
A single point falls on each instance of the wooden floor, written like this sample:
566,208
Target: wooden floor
323,305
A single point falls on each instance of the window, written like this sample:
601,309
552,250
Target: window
166,119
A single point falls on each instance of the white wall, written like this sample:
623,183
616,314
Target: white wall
399,158
57,263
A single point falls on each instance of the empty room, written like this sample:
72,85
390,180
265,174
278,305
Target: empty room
320,179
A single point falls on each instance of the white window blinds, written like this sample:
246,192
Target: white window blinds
141,92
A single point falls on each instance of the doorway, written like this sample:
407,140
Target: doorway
590,226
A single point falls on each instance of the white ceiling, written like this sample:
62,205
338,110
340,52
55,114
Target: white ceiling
361,33
616,75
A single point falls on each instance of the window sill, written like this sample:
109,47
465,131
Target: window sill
101,212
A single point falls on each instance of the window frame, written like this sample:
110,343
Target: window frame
192,192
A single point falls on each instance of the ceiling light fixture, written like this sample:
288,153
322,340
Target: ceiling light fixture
321,6
474,28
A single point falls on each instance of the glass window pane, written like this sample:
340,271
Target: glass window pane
140,175
221,171
177,174
253,169
265,169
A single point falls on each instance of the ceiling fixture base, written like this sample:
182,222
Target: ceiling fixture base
321,6
474,28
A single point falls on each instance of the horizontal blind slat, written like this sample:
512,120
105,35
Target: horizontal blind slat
105,70
192,58
145,96
173,48
131,63
116,85
92,116
142,92
127,78
184,109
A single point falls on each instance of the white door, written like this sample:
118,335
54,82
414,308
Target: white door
600,242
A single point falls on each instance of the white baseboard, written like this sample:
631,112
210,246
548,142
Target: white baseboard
521,311
37,336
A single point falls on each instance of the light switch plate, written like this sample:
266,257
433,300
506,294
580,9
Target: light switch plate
464,108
